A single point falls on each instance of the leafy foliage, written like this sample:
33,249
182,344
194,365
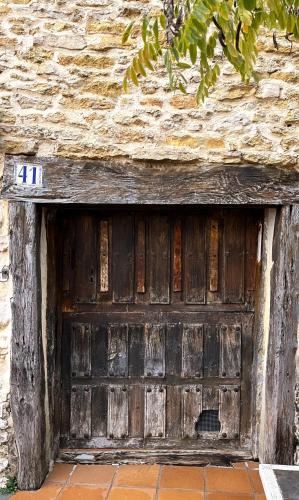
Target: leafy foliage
187,33
11,486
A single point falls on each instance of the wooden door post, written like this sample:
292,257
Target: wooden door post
27,359
277,443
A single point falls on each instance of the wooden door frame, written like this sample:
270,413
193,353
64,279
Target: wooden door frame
35,373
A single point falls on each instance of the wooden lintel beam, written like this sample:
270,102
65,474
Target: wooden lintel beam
118,181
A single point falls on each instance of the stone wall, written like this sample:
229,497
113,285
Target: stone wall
62,64
60,95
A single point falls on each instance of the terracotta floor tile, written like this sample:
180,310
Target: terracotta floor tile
253,465
131,494
180,495
191,478
137,475
83,492
93,474
46,492
60,473
239,465
256,480
229,496
228,480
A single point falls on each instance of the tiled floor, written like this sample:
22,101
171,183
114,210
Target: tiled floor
149,482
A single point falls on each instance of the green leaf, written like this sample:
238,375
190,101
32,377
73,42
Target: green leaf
249,4
193,53
183,65
182,88
156,30
163,21
127,33
144,29
134,76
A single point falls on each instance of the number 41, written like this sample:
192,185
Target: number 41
28,175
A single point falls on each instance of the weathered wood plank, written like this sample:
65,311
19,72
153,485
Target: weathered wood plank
277,443
80,422
154,357
85,260
192,351
174,411
173,350
118,350
192,408
210,398
213,255
104,256
99,350
159,260
229,412
136,350
118,424
234,252
123,258
128,181
99,407
140,256
223,457
154,418
136,411
230,350
211,350
80,349
27,359
177,256
194,259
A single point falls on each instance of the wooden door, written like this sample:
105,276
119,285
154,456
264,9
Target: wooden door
157,316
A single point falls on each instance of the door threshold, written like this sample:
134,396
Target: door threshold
224,458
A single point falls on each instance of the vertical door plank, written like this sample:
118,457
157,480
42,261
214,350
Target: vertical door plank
177,256
99,350
229,411
136,411
80,349
230,351
140,256
213,255
118,350
118,426
68,248
173,349
210,398
65,378
192,351
80,424
192,408
159,260
234,249
154,356
252,230
136,350
99,406
154,418
174,411
104,256
85,265
195,265
211,350
123,258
